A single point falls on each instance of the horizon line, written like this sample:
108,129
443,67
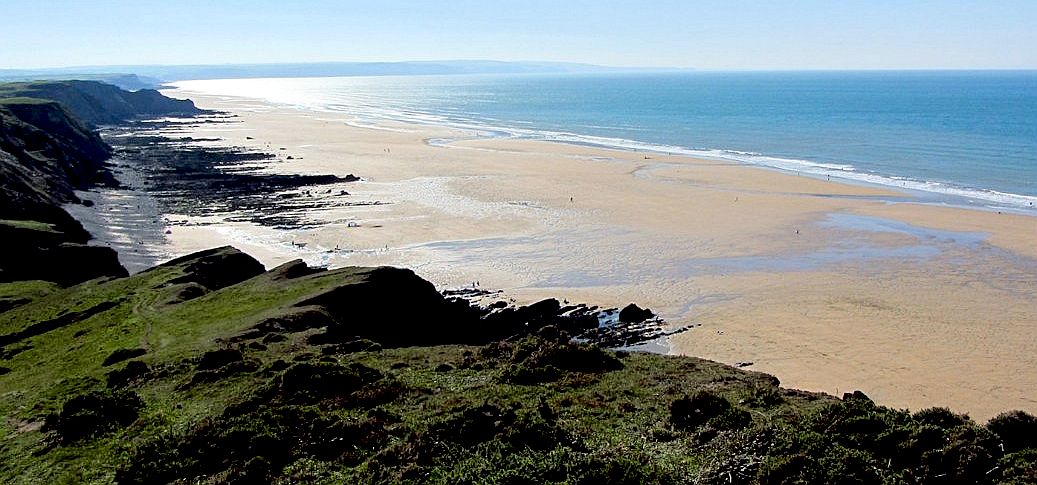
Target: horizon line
514,62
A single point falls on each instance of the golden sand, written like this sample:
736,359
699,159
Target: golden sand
826,285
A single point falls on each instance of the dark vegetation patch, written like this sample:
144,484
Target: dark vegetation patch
8,303
350,422
220,364
535,359
62,320
94,413
287,419
1017,430
120,355
704,408
133,371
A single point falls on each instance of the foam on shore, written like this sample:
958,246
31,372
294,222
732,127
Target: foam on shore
371,113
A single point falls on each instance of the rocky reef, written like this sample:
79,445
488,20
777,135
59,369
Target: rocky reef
47,152
235,183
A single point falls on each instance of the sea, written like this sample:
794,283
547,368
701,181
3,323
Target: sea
965,138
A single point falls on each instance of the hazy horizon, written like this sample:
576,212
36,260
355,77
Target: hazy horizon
96,67
703,35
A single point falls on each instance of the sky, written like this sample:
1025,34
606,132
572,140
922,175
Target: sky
702,34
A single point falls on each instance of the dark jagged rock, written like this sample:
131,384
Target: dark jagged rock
215,268
44,156
366,305
187,178
370,308
34,250
47,141
634,314
857,396
506,321
47,151
292,269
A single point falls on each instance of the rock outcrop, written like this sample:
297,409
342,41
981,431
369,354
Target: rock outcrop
47,152
97,103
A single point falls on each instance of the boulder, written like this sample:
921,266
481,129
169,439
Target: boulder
634,314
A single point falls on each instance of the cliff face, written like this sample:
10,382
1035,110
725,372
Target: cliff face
38,172
97,103
47,151
58,152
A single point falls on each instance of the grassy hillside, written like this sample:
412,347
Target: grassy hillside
208,370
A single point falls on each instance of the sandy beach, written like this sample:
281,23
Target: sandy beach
829,286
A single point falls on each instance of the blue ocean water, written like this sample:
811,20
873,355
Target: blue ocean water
970,136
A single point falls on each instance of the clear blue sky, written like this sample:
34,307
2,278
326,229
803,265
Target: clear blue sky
706,34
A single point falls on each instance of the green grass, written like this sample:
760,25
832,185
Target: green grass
614,411
31,289
22,100
502,413
68,360
21,88
30,225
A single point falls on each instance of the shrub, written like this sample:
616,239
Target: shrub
1017,430
311,382
533,360
760,396
942,418
1019,467
93,414
132,371
704,407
